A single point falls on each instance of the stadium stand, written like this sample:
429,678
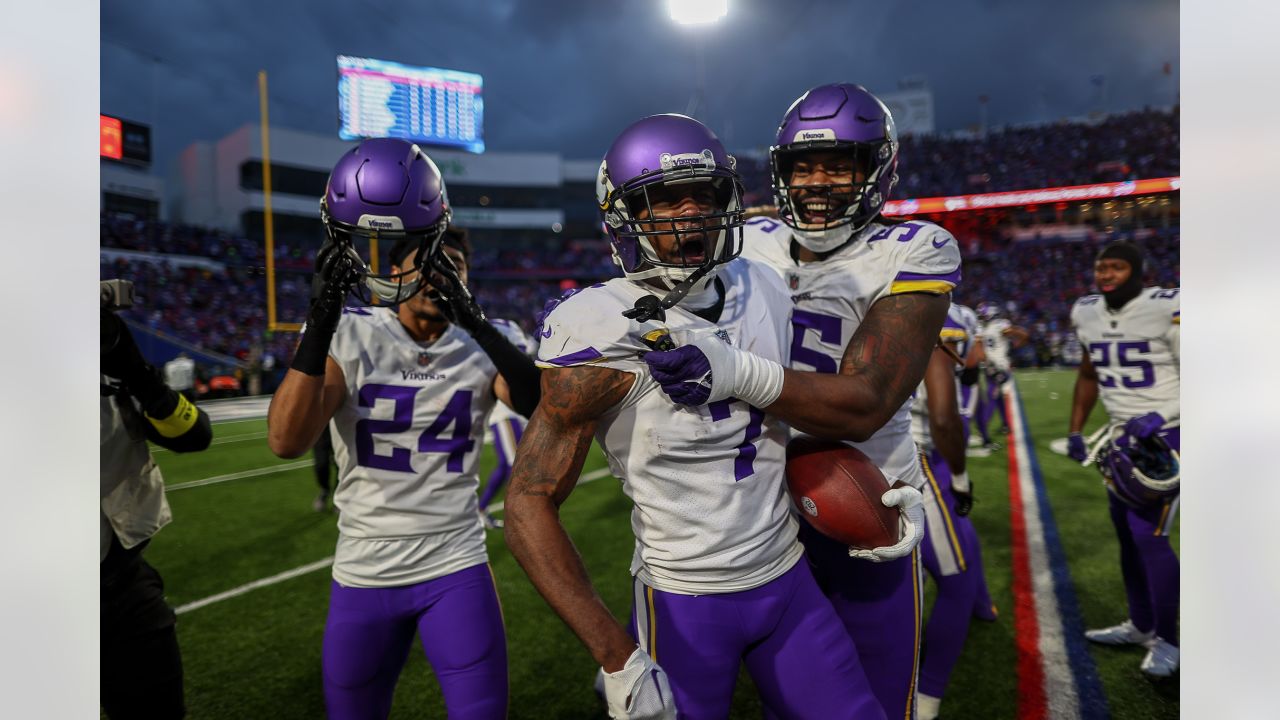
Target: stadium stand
207,288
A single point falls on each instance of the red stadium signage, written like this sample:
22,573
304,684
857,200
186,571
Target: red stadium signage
1074,193
110,137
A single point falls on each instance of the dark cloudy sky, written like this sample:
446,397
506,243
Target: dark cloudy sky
567,75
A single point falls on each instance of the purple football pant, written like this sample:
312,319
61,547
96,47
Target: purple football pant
968,402
794,647
951,556
879,604
1147,561
506,436
992,401
369,632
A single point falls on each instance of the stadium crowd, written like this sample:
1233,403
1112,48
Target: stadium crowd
1128,146
207,287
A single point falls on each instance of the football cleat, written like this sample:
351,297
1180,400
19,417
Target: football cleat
1126,633
321,503
1161,660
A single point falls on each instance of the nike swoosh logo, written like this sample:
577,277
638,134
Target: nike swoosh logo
940,244
546,332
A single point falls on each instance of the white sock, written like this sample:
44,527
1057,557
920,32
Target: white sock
927,707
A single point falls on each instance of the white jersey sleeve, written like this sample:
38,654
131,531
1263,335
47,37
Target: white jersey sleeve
711,513
407,442
927,257
1134,351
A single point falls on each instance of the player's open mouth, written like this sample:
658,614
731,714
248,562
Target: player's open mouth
822,209
693,250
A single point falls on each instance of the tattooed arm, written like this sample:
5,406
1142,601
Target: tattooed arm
547,465
882,365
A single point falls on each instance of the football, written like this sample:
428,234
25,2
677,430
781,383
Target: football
837,489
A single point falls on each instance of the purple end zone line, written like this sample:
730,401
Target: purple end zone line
323,563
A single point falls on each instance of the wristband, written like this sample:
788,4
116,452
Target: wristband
313,350
179,421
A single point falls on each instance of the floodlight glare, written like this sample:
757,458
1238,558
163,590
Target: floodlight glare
697,12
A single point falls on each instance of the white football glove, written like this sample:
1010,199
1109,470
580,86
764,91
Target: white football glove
639,691
910,504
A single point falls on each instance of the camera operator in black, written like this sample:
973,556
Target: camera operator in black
141,667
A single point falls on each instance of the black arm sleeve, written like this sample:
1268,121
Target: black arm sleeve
522,376
969,376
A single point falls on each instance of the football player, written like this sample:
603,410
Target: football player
718,576
997,333
507,427
974,355
406,392
870,295
950,546
1130,338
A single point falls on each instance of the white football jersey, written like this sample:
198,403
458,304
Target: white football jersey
831,297
953,330
711,513
968,321
968,399
996,343
1135,352
407,441
512,331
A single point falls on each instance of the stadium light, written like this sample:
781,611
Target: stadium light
697,12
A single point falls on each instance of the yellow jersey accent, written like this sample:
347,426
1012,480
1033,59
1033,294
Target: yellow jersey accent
179,421
933,287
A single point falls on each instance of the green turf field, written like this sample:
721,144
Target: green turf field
257,655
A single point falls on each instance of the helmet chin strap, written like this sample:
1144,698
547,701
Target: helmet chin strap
649,307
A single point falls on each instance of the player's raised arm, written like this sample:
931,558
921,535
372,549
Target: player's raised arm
546,470
314,387
882,365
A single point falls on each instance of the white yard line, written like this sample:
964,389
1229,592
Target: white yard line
222,440
247,587
240,475
319,564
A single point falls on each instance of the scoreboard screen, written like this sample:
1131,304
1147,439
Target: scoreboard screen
124,141
377,98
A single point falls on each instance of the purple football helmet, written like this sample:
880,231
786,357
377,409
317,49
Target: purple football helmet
660,151
1139,472
387,189
844,119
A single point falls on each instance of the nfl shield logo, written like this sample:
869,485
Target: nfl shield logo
424,358
793,280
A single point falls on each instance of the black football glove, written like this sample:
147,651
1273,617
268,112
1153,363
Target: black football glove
337,271
455,301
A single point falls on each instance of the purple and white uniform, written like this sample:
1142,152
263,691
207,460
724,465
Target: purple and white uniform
967,395
718,580
1135,352
411,550
950,547
879,603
